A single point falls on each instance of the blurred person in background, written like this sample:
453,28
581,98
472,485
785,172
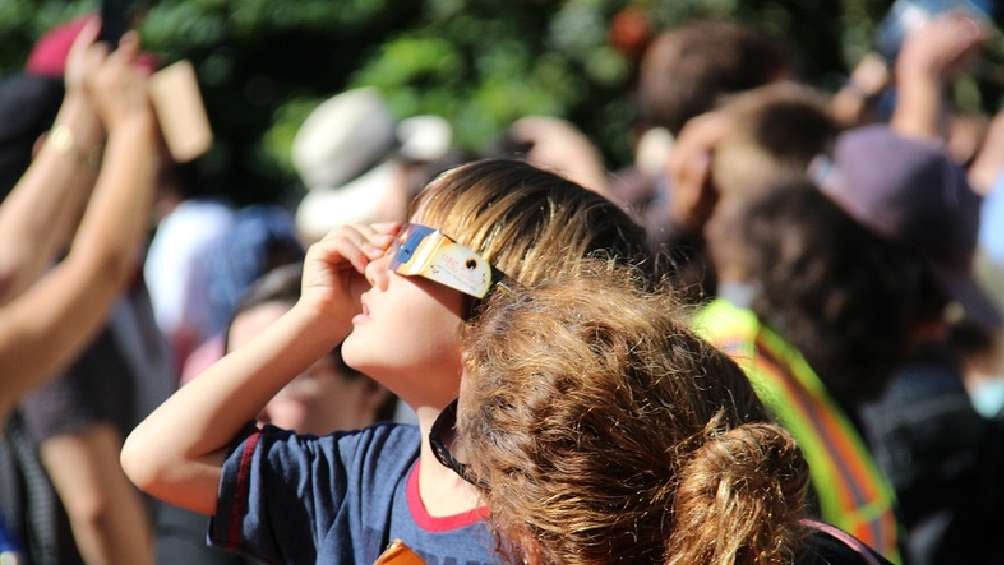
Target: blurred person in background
818,330
558,146
688,70
260,238
190,221
942,457
727,157
330,396
51,315
931,56
685,72
858,300
360,165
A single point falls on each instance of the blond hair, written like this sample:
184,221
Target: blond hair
526,222
602,430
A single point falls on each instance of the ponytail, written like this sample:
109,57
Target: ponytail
740,497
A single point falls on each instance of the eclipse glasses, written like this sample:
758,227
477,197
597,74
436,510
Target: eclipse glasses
426,252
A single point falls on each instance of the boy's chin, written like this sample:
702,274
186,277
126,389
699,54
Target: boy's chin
358,354
353,352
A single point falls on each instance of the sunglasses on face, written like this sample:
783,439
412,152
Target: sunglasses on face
426,252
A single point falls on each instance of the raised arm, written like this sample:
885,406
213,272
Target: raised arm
45,327
44,208
176,453
851,104
930,57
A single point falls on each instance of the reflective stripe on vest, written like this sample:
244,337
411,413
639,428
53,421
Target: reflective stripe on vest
853,493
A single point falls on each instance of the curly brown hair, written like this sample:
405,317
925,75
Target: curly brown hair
601,429
844,297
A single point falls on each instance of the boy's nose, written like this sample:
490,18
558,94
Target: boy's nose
376,272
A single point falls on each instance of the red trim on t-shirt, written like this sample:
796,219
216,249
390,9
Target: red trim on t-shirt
240,500
430,523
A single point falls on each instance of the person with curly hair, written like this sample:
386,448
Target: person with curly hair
600,429
816,311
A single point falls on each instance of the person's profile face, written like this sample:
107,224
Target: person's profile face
408,337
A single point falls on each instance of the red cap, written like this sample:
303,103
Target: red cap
48,57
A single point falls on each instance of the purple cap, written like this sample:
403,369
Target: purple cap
911,191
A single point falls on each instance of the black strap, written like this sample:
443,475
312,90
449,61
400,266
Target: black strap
442,432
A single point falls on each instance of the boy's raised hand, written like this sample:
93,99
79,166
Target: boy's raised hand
333,271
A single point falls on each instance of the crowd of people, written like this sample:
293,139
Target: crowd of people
774,338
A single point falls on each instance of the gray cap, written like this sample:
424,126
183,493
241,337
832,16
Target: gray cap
910,191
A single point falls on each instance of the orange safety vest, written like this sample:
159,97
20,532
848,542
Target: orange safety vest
853,494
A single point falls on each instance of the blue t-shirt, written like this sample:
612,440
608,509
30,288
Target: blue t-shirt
340,498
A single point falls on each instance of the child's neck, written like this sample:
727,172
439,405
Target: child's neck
443,492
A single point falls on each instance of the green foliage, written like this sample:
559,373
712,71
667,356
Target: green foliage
264,64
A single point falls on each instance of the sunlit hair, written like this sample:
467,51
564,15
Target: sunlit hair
602,430
527,222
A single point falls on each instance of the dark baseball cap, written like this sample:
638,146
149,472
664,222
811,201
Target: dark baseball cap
910,191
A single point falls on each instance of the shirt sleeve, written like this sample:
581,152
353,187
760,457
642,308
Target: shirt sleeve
279,494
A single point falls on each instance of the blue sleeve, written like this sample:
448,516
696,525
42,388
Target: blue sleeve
280,493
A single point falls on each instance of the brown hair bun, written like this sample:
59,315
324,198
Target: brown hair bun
750,481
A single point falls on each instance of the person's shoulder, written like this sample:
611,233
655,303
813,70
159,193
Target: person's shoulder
380,456
387,435
384,444
827,545
376,453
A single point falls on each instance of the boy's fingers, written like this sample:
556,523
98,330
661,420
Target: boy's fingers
358,236
376,243
350,250
377,278
374,237
389,228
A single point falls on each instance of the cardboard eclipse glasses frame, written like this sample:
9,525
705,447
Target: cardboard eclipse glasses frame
423,251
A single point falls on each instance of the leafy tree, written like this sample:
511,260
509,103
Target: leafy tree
264,64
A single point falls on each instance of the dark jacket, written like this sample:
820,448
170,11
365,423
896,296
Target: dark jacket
943,459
